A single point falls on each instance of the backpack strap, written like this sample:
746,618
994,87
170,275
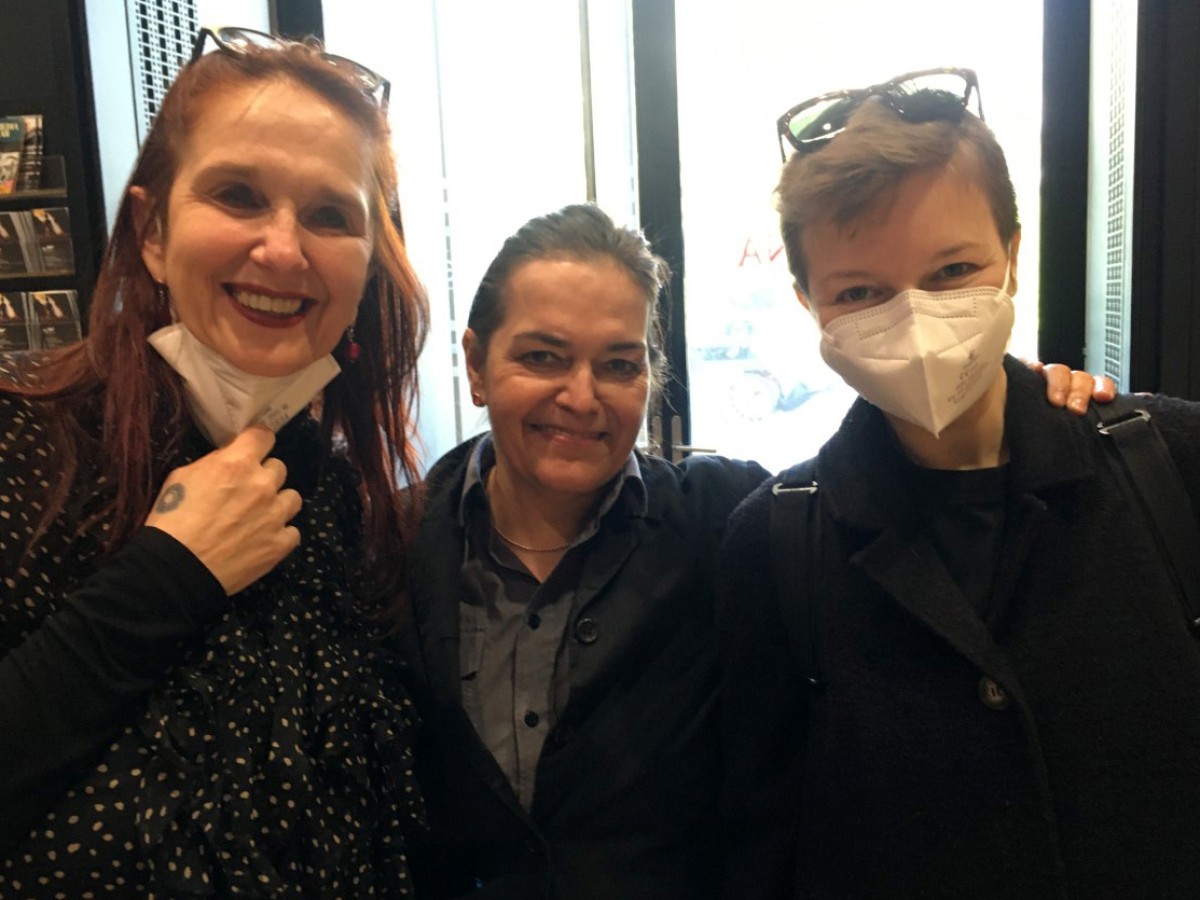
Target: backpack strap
795,544
1154,485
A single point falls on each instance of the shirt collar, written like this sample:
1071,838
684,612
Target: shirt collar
628,487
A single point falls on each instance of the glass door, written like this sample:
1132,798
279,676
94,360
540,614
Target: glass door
758,386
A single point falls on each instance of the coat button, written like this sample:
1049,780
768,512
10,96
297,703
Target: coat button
532,718
587,631
992,695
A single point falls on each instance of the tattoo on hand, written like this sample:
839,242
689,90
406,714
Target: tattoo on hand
170,498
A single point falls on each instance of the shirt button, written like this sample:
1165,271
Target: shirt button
531,719
992,695
587,631
534,620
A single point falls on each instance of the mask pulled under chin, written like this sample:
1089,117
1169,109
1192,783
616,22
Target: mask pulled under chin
223,399
923,356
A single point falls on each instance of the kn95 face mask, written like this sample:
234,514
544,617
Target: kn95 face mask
923,356
225,400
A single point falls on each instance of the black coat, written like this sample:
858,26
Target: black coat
1055,754
626,787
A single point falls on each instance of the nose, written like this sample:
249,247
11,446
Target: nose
578,392
280,246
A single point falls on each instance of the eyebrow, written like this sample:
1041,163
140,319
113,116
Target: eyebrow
547,338
945,253
235,170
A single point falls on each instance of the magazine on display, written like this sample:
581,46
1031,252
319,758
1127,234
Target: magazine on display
54,318
15,333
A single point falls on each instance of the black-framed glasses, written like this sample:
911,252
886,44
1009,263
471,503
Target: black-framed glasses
236,40
925,96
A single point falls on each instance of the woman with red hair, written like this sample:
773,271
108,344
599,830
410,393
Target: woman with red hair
200,526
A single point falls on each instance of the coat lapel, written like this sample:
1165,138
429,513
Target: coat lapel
861,476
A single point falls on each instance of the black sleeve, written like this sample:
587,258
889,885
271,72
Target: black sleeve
713,486
763,710
69,687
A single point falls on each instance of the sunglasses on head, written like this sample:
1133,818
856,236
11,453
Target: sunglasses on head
237,40
926,96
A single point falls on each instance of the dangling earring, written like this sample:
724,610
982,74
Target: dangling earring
162,296
353,348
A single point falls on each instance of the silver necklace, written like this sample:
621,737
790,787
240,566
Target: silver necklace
504,537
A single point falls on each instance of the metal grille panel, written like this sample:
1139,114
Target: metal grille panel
1116,288
160,36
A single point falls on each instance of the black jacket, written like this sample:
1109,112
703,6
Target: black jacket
1054,754
627,783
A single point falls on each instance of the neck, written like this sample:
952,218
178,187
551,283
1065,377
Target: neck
975,440
532,518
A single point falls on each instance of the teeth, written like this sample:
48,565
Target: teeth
569,433
277,306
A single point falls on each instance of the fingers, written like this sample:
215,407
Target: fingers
1104,389
1058,383
290,503
1086,387
275,467
255,441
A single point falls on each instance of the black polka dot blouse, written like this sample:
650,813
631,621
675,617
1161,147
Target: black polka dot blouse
160,740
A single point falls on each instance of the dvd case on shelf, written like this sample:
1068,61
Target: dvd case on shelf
53,318
15,333
12,138
29,173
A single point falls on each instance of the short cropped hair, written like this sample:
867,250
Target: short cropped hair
864,165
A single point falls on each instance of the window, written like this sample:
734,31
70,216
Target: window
491,108
759,388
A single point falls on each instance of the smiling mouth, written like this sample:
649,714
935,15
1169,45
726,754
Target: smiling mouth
265,304
571,433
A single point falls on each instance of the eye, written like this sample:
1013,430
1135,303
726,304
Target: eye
541,359
329,218
238,196
956,270
857,294
622,368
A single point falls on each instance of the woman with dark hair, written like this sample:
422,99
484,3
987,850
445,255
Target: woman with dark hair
192,700
562,591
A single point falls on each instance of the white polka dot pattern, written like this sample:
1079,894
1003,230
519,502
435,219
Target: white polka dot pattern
275,760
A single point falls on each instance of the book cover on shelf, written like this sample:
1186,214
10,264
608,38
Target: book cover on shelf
52,234
14,322
12,137
54,318
29,174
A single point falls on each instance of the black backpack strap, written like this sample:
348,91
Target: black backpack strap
1156,487
795,548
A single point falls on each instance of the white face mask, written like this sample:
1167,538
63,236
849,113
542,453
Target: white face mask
225,400
923,356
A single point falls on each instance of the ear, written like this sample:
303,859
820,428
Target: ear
1013,250
803,298
153,244
475,356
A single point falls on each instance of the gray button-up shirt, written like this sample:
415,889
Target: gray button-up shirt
513,651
